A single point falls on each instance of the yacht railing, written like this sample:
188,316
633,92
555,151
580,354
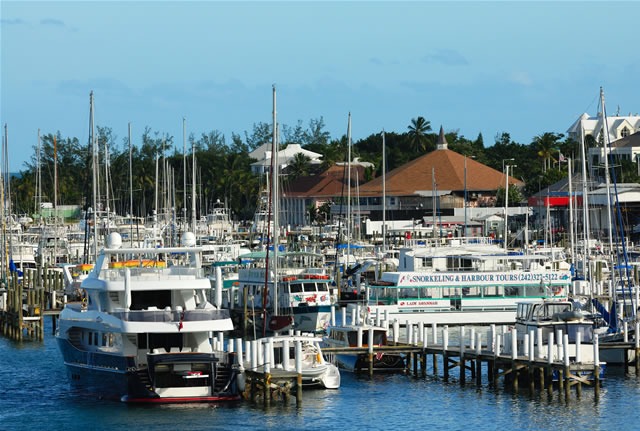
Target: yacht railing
159,273
171,316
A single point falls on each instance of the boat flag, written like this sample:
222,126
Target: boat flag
181,320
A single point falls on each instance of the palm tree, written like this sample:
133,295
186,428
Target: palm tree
547,143
417,133
299,166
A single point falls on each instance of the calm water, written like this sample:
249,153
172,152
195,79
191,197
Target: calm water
35,394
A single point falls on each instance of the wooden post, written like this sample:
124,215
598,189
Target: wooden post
567,374
41,302
463,373
445,366
514,356
299,373
424,361
435,364
560,379
596,366
370,345
20,320
637,355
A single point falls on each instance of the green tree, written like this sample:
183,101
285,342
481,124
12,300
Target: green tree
298,167
417,132
515,196
547,144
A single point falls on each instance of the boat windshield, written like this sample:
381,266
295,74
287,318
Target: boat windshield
378,338
547,311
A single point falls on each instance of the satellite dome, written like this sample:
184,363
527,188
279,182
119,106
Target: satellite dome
188,239
114,240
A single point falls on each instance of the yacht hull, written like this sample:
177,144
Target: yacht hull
356,362
117,378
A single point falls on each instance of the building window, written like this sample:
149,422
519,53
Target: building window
625,132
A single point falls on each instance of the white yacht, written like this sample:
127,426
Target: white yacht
303,291
557,317
142,332
316,372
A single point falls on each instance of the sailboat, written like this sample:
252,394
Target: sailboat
288,289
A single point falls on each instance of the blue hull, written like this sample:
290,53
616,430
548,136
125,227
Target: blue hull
118,378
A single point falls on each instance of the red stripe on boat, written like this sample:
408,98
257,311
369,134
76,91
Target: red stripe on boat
179,400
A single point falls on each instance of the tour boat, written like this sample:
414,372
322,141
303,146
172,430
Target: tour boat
142,332
465,288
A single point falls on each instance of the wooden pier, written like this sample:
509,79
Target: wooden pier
25,303
536,366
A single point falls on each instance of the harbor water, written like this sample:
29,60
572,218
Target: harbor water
36,394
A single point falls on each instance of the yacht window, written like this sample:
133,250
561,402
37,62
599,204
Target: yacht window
309,287
104,339
427,262
323,287
513,291
143,299
295,288
95,338
90,339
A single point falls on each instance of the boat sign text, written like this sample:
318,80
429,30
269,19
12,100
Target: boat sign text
487,278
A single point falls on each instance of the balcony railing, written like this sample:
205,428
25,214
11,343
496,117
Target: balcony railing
172,316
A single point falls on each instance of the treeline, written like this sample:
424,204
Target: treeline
224,167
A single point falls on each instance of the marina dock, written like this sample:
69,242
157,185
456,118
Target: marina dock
26,302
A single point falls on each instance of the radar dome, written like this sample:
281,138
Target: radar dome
188,239
114,240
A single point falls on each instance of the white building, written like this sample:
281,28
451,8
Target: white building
619,127
263,155
623,134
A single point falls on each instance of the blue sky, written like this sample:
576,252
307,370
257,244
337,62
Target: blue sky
520,67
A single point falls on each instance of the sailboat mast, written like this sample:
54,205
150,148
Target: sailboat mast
605,132
506,206
433,200
384,194
55,199
348,190
7,172
274,203
94,152
39,182
573,250
155,196
130,191
184,170
585,208
193,188
106,182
